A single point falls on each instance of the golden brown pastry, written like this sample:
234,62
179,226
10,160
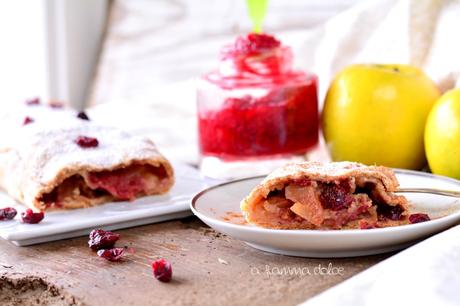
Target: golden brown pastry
53,158
312,195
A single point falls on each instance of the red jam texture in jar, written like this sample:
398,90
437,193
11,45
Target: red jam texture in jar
255,105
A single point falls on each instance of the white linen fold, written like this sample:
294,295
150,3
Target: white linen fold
427,273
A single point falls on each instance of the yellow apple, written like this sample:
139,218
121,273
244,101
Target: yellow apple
442,135
376,114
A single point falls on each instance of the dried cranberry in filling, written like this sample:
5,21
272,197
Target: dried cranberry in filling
303,182
51,199
276,193
363,224
122,183
335,197
390,212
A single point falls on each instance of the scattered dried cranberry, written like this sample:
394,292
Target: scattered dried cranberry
100,239
417,218
33,101
162,270
114,254
335,197
82,116
87,142
31,217
7,213
27,120
56,104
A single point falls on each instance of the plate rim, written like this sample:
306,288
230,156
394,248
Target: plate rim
324,233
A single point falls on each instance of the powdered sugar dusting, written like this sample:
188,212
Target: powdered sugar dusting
318,169
34,155
334,171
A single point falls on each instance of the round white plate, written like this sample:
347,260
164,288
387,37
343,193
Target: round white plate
219,207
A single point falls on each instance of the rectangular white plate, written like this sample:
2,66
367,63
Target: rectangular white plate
78,222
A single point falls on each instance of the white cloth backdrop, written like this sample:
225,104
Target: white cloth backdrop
154,51
417,32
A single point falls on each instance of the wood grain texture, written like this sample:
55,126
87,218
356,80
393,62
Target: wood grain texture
208,269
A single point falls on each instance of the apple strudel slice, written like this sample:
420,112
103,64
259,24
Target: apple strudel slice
55,158
339,195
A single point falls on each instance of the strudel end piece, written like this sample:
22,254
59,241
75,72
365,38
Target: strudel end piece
312,195
53,158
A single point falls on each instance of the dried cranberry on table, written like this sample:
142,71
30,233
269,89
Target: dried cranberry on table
417,218
162,270
86,142
113,254
100,239
30,217
7,213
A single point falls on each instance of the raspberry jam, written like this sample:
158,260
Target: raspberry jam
255,107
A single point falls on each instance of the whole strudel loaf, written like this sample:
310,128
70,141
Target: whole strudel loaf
56,158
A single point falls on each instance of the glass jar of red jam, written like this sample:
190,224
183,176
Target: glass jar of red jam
255,112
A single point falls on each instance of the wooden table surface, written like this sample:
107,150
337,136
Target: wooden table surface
208,269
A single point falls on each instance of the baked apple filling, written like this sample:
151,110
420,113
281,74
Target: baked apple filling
93,188
348,203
